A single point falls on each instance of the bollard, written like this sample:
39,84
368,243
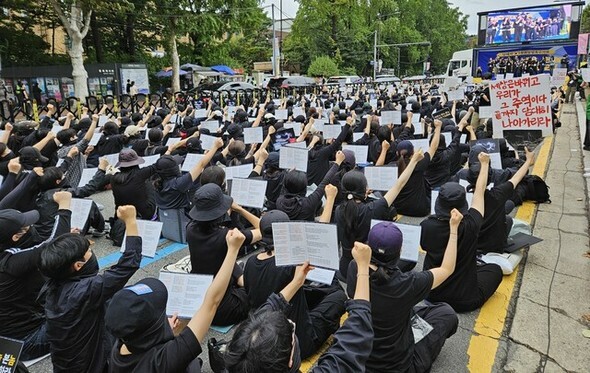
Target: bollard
115,106
35,111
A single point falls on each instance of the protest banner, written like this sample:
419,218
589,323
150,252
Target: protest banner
521,104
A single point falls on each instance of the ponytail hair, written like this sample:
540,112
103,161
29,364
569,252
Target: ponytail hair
354,188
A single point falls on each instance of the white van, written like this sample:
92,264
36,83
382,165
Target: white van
460,66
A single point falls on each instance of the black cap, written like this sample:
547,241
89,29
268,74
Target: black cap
13,221
135,308
210,203
451,196
273,216
30,154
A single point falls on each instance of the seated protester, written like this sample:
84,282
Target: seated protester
347,165
6,154
21,316
470,174
445,157
68,139
236,154
470,285
52,181
262,277
274,176
319,157
192,146
20,188
414,198
154,144
267,341
76,295
172,187
111,142
392,137
205,236
135,135
131,186
394,347
497,223
295,203
353,217
136,316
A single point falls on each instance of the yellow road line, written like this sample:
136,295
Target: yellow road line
492,316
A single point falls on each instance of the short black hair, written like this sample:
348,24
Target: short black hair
60,254
49,178
262,343
295,182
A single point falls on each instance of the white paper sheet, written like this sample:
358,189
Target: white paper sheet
207,142
485,112
112,158
80,208
293,158
150,232
331,131
411,240
87,175
281,114
456,95
321,275
186,292
253,135
361,152
94,139
248,192
356,136
241,171
173,140
391,117
298,111
190,161
211,125
421,144
296,242
149,160
381,178
201,113
102,120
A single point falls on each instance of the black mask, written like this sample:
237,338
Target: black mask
90,268
29,239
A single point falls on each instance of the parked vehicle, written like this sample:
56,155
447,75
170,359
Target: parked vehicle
345,79
291,82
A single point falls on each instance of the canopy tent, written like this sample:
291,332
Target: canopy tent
193,67
223,69
167,73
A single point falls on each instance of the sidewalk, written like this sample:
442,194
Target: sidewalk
554,294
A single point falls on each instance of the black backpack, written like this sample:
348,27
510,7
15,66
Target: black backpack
532,188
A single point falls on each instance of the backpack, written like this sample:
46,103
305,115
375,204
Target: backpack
532,188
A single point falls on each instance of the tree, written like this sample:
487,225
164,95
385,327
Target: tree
76,22
323,66
585,24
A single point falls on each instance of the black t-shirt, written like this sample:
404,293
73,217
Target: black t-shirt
176,355
208,250
461,286
136,190
263,277
393,345
492,236
110,144
376,209
175,193
414,198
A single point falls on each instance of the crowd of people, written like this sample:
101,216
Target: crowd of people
523,65
55,298
524,27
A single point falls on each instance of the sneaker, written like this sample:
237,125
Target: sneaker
587,148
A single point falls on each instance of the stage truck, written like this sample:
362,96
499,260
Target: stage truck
546,34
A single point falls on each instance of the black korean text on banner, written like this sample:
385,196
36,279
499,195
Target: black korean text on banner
521,104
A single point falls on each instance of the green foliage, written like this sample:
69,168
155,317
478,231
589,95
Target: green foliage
344,30
323,66
585,24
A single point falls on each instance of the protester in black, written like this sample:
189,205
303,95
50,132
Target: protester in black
353,217
318,162
21,316
470,285
414,198
136,316
206,234
315,322
394,347
266,341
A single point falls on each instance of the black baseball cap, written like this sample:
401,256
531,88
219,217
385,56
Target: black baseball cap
273,216
13,221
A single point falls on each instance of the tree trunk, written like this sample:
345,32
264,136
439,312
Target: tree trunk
130,35
97,40
78,70
175,63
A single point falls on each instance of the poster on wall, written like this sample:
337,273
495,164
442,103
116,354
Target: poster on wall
52,88
522,104
135,73
94,87
67,87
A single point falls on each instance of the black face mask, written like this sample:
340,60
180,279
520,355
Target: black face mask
90,268
29,239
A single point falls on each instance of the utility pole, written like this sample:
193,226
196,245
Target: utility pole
274,43
375,57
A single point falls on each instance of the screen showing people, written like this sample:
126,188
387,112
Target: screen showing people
543,23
